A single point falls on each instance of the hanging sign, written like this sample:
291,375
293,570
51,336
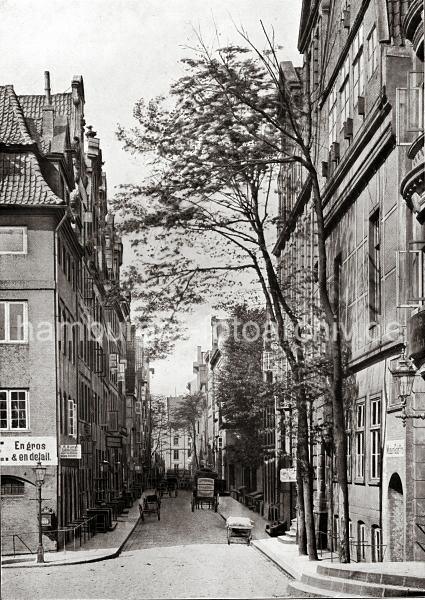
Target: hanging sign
70,451
288,475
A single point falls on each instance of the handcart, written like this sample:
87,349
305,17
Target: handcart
239,527
150,503
205,490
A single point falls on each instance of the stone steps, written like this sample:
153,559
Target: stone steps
302,590
347,585
406,581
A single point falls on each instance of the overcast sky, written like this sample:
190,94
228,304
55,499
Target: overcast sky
126,49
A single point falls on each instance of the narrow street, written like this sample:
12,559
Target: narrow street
184,555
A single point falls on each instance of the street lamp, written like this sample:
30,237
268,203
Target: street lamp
40,473
404,376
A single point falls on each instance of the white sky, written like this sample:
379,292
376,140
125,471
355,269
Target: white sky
127,49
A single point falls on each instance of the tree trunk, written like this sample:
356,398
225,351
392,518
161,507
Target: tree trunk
195,454
340,447
302,536
303,462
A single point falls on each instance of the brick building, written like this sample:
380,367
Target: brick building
63,322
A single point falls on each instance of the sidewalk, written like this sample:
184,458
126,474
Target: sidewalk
100,547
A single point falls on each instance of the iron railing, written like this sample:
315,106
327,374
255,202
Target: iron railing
67,537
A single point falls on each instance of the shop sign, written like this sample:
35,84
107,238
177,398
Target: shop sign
27,450
113,441
288,475
70,451
394,448
416,337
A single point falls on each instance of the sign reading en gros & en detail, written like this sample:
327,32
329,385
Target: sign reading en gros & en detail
394,448
27,450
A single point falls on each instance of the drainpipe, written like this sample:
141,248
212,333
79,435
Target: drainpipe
57,367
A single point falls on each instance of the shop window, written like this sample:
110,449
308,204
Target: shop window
175,454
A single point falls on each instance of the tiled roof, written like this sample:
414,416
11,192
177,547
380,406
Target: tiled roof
13,129
22,183
32,106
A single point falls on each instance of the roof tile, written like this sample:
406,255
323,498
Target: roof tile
22,183
13,129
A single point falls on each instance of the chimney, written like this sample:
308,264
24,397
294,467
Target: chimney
48,113
47,88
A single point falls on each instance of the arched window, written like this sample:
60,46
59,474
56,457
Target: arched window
376,544
10,486
361,541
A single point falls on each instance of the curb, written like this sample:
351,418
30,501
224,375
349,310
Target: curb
284,570
115,552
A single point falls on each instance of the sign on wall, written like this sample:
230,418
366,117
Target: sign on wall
288,475
394,448
27,450
70,451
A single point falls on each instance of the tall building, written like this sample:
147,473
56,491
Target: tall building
366,86
63,320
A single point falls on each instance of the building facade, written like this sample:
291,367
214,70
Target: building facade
63,322
366,85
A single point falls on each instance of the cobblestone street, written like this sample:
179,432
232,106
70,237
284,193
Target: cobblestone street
184,555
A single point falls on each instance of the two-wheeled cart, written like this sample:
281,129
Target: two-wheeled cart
239,527
205,491
150,503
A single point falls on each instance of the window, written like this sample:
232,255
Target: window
10,486
333,97
344,91
72,418
175,454
358,65
349,450
13,240
374,268
13,322
14,410
375,438
376,544
372,52
358,77
360,423
361,542
176,440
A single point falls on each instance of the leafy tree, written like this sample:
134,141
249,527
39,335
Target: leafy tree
186,416
240,388
205,216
